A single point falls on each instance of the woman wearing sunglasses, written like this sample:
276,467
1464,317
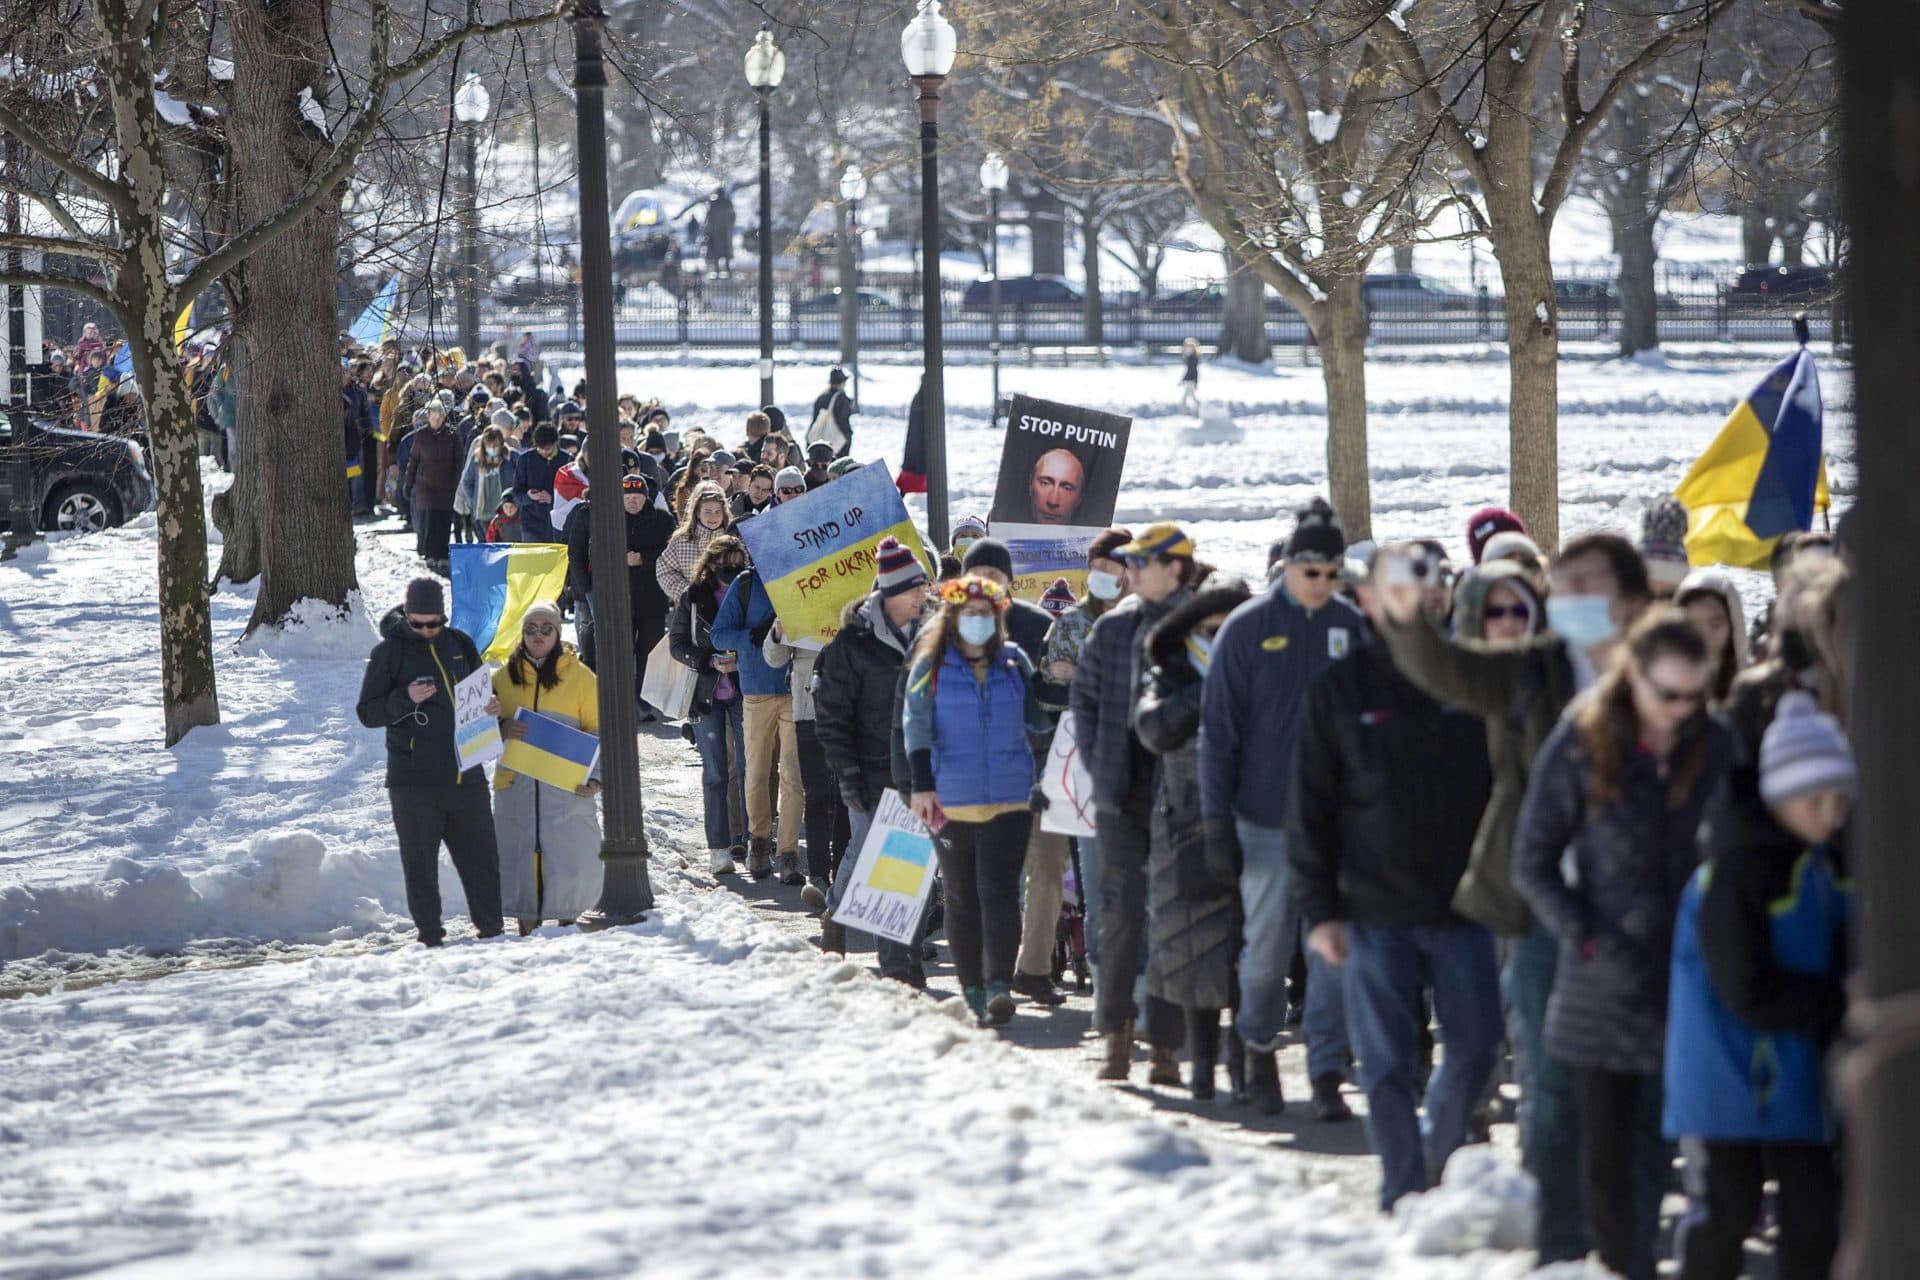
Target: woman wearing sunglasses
549,836
1617,796
970,704
1496,603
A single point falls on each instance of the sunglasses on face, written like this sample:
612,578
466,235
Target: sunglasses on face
1676,697
431,624
540,629
1313,573
792,493
1495,612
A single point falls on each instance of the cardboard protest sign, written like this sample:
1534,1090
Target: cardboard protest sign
1060,466
815,553
552,752
476,735
1043,554
1067,785
892,876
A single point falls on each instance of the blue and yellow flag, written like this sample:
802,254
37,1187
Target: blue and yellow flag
1763,475
816,553
495,583
553,752
378,321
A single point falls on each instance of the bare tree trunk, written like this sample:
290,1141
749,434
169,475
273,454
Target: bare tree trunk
1533,364
1341,332
292,373
1633,225
1756,236
1094,324
1403,258
1243,319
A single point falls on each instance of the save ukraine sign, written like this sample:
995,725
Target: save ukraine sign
816,553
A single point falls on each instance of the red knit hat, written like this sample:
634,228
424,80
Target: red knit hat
1486,522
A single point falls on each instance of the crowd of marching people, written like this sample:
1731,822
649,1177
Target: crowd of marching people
1555,818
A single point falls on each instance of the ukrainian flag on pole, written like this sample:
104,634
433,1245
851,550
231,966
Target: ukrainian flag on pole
376,322
494,583
1763,475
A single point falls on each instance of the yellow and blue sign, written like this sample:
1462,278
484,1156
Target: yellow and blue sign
1763,475
554,753
495,583
902,863
816,553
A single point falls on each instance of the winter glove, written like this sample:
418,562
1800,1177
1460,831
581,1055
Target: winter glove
1037,799
1223,858
853,790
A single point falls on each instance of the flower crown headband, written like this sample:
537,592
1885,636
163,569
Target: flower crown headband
957,591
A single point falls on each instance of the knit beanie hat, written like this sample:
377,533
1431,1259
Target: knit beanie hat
969,527
504,419
1510,545
1317,535
988,553
544,611
1058,597
1663,541
841,467
426,597
1803,750
1486,522
895,568
789,478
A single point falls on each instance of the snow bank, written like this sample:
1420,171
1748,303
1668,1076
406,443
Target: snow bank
316,629
1482,1202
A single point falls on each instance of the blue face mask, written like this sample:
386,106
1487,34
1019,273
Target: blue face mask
1199,652
1582,621
977,630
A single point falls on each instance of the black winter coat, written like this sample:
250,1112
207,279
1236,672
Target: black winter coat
647,533
854,688
1631,860
1193,893
690,640
1102,697
420,750
1388,792
434,466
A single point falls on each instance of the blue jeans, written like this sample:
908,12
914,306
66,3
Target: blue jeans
897,960
1549,1120
1272,932
710,735
1386,970
1089,849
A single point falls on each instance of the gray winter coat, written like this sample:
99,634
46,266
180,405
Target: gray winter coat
1102,696
1612,904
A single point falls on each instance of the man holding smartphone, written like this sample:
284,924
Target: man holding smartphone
408,691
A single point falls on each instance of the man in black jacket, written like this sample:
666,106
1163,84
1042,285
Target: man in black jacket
408,691
1389,789
855,682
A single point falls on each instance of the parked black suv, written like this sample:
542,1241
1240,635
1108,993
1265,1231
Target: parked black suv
1781,287
81,481
1022,291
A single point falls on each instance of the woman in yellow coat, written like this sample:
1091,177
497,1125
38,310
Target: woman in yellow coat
549,836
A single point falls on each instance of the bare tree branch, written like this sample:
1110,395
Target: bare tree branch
55,244
114,194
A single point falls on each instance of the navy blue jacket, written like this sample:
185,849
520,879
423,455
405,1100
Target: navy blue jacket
1105,684
1265,658
531,471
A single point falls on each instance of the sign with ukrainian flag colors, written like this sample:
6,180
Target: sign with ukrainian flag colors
816,553
1763,475
892,876
552,752
380,319
494,583
1044,553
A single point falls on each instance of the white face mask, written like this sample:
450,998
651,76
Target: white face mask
1102,585
976,629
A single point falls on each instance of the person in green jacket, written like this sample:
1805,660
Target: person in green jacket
408,691
1599,586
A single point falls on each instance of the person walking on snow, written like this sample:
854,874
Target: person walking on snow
408,691
549,836
1190,380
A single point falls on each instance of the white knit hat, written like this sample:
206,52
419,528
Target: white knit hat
1804,750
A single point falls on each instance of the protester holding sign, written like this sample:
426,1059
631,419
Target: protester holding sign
549,837
969,706
408,691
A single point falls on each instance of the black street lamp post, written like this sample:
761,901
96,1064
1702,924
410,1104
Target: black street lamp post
928,47
471,103
626,893
993,179
765,66
853,189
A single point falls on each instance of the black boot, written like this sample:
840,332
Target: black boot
1263,1082
1236,1066
1328,1106
1203,1047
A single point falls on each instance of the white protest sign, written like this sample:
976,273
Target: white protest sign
892,876
476,735
1067,785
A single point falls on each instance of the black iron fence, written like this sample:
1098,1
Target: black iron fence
1694,304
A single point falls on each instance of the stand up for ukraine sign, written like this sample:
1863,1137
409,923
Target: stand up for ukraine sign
816,553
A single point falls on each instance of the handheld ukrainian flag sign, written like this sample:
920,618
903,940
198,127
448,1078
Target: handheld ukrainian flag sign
553,751
1763,475
377,322
495,583
816,553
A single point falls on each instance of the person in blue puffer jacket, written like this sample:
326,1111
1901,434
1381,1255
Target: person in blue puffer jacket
969,704
1757,996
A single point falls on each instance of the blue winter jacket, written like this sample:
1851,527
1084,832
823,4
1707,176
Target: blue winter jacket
967,739
745,618
1265,658
530,471
1757,991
